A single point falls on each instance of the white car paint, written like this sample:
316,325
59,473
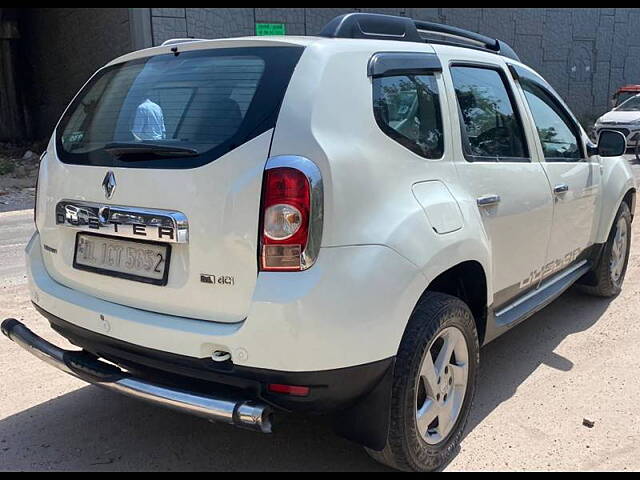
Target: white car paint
224,243
382,242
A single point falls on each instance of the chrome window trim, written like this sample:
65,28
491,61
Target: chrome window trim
316,213
97,218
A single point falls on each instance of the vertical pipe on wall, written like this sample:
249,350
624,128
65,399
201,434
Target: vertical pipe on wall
141,28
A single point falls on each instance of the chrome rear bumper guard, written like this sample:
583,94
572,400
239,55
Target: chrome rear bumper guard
238,412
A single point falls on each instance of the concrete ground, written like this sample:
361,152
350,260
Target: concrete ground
577,359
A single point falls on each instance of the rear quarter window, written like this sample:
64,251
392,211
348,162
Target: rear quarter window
407,109
209,102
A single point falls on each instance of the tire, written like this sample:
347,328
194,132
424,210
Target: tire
604,280
436,320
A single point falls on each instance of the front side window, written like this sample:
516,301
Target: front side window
492,130
407,109
559,142
171,111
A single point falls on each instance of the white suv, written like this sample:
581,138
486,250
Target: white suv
625,118
329,224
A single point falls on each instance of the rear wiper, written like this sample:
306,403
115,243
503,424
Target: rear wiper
137,151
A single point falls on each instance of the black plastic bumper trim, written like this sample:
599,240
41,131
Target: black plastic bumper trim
331,390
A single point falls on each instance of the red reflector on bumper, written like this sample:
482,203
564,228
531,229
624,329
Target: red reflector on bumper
289,390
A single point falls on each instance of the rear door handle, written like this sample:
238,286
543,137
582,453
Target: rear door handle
561,188
488,200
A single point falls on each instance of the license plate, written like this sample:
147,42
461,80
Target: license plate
140,261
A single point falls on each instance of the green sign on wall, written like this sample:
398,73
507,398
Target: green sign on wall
263,29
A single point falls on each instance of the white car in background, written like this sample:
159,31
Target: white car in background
625,118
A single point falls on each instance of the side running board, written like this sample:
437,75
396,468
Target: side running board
539,298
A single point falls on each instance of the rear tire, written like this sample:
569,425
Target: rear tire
609,273
432,396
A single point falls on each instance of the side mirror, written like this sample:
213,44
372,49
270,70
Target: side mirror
611,144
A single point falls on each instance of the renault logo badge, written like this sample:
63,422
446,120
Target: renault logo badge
109,184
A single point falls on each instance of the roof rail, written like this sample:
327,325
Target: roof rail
387,27
176,41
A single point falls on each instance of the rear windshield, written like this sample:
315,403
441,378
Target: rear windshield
176,111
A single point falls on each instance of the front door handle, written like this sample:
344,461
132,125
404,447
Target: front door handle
561,188
488,200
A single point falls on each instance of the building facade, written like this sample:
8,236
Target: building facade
585,53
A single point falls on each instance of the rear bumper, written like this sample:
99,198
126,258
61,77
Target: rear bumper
358,398
330,391
218,407
306,329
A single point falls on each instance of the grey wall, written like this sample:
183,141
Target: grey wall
63,47
585,53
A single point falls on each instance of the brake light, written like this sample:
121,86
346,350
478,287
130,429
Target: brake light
286,206
292,390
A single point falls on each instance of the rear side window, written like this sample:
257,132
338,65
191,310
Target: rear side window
492,129
407,109
185,110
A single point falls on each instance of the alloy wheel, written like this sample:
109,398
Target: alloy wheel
442,385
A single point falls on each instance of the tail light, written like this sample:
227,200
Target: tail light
291,215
